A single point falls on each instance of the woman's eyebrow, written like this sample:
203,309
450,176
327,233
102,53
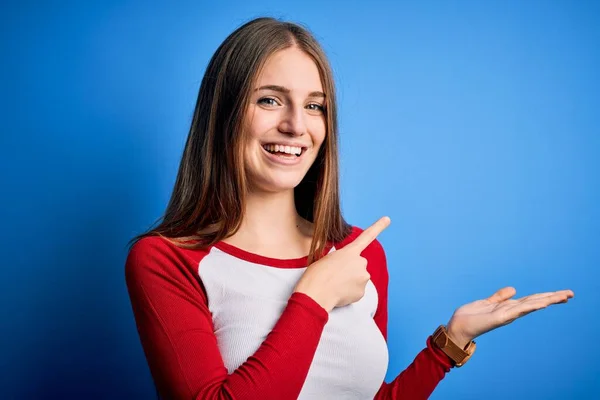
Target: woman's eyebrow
285,90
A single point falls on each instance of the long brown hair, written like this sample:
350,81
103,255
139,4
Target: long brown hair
208,198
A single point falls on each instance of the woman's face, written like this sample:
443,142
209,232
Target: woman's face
285,121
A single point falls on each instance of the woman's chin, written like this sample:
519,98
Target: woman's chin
278,185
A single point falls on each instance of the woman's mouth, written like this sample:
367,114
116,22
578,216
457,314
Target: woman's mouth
284,151
286,155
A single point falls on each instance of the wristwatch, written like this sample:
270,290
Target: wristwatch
459,356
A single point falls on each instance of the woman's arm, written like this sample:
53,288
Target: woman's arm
468,322
420,378
176,332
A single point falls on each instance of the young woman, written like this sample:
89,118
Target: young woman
253,286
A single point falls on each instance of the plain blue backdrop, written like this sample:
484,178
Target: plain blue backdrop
474,125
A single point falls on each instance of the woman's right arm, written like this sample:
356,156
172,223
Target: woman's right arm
176,332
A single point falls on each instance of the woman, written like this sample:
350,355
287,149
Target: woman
253,286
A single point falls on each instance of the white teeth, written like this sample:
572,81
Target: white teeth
283,149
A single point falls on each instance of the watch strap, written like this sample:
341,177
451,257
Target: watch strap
458,355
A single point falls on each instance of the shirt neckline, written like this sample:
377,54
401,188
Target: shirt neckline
264,260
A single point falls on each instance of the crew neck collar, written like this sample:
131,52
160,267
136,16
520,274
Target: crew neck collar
263,260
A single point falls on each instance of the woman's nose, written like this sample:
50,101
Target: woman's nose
293,121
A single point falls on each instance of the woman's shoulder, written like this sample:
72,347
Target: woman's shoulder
156,244
159,254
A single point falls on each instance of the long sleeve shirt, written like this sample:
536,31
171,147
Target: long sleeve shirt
224,323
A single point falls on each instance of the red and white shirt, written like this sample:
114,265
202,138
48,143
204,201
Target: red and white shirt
223,323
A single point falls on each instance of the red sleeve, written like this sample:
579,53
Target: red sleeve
429,367
176,332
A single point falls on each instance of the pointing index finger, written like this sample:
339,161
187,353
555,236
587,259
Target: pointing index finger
370,234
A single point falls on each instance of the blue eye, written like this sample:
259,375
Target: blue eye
315,107
268,101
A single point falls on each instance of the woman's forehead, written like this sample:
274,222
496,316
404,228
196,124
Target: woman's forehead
292,69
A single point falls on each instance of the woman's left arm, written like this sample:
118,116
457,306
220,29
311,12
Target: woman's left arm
422,376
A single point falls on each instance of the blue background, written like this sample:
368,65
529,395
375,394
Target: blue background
474,125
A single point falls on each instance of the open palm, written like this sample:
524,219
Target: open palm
481,316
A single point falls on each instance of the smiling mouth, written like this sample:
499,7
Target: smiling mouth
284,151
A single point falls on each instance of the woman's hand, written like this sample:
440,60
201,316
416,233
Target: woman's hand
481,316
340,278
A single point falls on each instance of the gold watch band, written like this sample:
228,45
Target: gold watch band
458,355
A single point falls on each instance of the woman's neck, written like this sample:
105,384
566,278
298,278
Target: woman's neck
272,227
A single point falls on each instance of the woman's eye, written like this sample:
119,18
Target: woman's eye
269,101
315,107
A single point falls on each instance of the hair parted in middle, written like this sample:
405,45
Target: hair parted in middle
208,198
